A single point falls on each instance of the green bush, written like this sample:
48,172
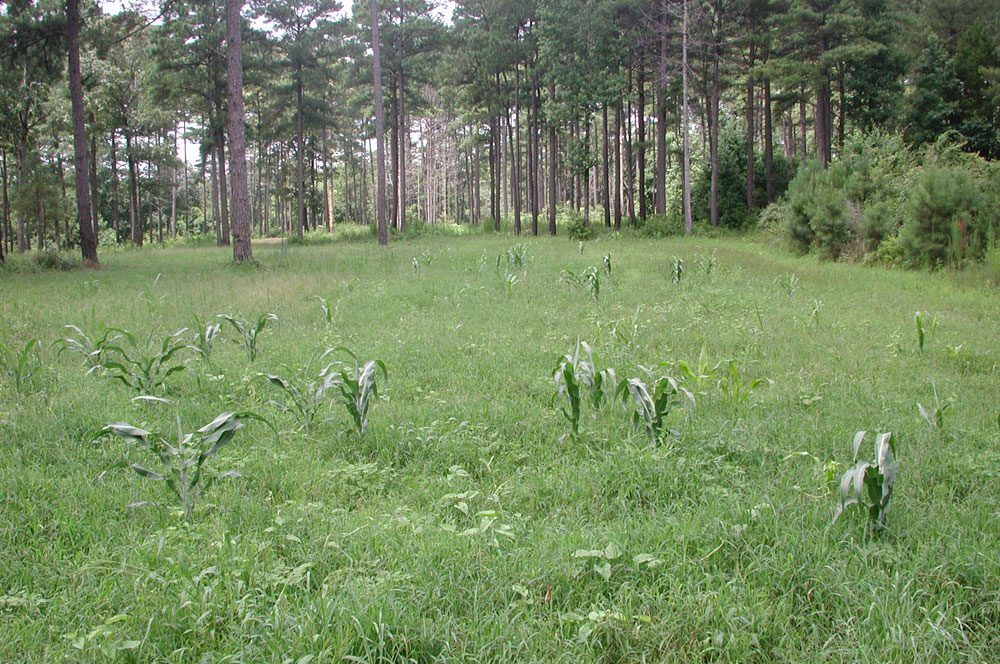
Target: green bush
577,228
52,259
941,216
733,212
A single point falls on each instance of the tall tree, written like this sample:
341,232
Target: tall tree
383,238
239,195
88,240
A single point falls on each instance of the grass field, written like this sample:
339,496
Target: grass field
466,525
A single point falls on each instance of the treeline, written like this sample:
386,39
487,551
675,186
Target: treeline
495,110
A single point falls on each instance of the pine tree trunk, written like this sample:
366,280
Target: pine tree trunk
606,167
383,236
618,165
750,128
768,142
685,129
299,156
552,164
88,240
242,250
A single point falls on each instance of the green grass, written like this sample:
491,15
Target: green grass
448,532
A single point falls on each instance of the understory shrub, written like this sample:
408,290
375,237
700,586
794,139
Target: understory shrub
941,216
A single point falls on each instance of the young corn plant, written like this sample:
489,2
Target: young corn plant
249,334
306,397
737,388
650,407
934,413
577,373
182,466
925,329
357,385
698,376
676,269
204,338
144,368
588,279
869,484
21,366
91,349
329,313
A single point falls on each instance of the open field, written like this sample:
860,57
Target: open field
465,525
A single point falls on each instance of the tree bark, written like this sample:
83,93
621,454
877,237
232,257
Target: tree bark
768,142
239,195
606,167
641,128
552,164
383,236
686,129
299,155
88,240
618,165
750,127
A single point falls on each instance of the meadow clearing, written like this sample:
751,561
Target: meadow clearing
468,523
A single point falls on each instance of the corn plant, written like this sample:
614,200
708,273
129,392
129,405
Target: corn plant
737,388
21,366
144,368
588,279
91,349
925,329
306,396
182,465
651,406
869,483
676,269
578,372
698,376
329,313
204,337
357,386
248,334
933,414
515,258
788,283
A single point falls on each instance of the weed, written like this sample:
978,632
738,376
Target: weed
869,483
248,334
21,366
182,467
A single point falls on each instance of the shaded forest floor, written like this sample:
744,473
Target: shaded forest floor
465,525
